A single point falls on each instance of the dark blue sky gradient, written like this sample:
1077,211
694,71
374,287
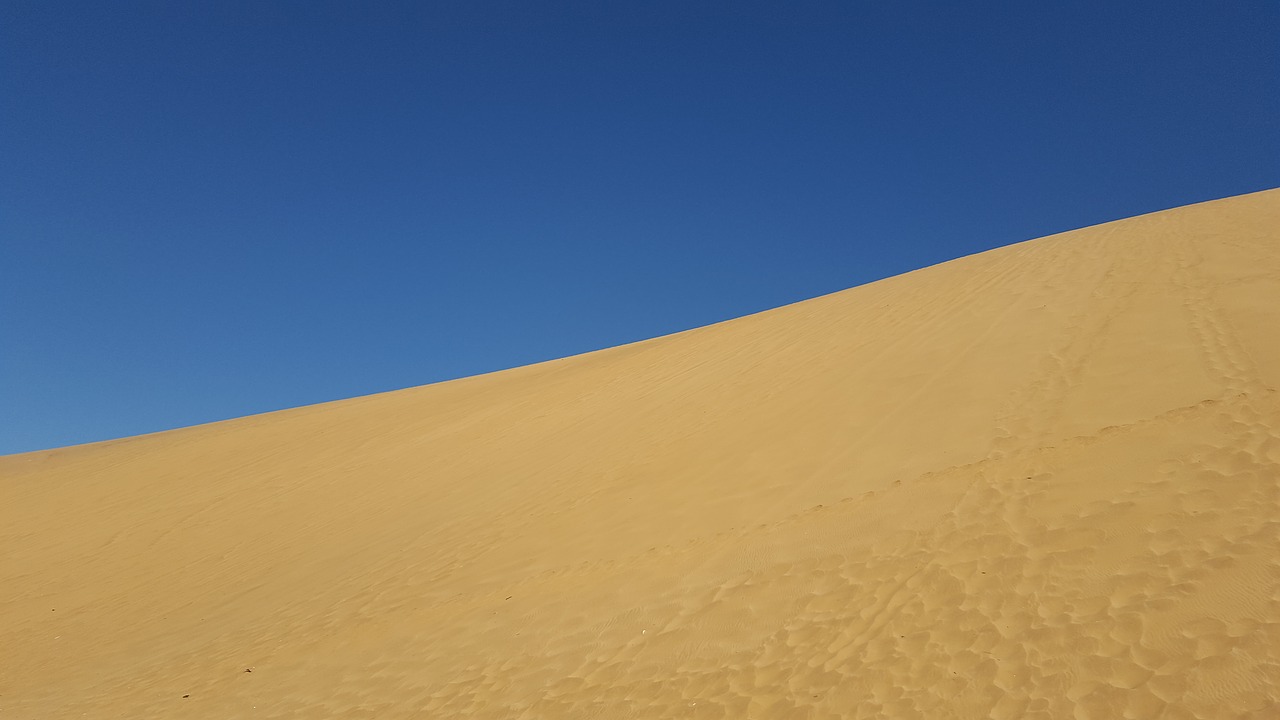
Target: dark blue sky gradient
252,206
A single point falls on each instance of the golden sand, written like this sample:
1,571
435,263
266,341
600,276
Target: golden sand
1038,482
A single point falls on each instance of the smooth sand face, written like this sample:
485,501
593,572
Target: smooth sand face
1039,482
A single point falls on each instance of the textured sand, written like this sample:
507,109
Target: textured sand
1039,482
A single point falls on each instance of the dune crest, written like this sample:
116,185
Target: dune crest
1038,482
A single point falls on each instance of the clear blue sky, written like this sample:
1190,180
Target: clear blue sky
250,206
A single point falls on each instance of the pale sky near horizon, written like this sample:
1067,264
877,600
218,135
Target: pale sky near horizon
213,212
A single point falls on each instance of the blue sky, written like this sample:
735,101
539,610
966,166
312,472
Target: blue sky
213,212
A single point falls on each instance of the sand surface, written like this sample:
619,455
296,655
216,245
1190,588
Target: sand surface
1038,482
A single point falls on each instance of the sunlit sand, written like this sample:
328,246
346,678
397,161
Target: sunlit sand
1038,482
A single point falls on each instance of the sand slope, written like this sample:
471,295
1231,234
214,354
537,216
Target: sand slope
1039,482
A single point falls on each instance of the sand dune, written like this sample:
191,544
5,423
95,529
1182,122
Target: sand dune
1038,482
